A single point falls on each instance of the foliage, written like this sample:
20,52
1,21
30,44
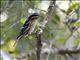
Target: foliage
56,30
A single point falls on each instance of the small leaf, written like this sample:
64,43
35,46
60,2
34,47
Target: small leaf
23,20
55,18
61,39
72,7
30,37
10,45
77,24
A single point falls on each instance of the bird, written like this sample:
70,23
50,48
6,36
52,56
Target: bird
27,26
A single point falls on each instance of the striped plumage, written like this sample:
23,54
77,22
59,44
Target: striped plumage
27,25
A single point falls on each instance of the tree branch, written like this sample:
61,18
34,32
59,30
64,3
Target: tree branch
39,45
68,51
42,27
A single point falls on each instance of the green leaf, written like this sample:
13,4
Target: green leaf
23,20
72,7
61,39
55,18
77,24
30,37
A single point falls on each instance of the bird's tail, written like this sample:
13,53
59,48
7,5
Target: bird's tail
18,38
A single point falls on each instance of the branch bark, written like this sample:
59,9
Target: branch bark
69,51
39,33
48,16
39,45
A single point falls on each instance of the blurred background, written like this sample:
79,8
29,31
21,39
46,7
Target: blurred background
61,32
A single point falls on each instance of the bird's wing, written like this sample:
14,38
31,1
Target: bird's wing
24,27
26,31
26,23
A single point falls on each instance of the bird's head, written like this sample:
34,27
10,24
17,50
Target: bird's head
34,16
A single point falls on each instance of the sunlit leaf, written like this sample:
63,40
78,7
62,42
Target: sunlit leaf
10,45
55,18
23,20
61,39
77,24
30,37
72,7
